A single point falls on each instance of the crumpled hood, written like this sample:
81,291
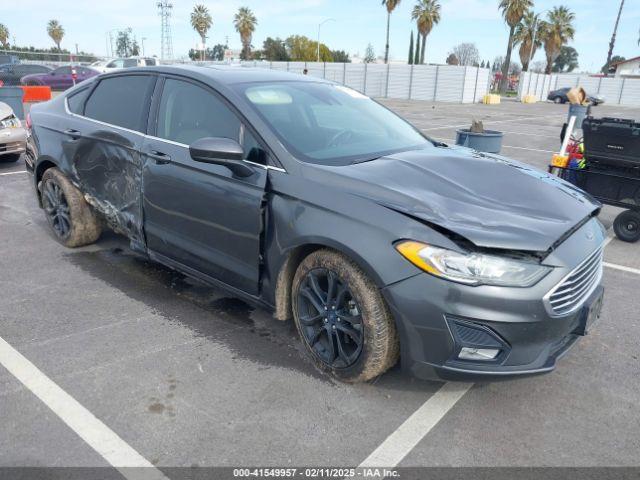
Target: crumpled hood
490,200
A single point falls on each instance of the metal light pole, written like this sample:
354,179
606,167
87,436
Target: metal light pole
142,39
320,25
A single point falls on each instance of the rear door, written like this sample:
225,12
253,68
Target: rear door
200,215
103,141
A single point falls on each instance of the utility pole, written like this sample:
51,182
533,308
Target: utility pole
320,25
613,39
142,39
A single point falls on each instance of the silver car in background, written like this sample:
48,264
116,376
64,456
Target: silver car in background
13,136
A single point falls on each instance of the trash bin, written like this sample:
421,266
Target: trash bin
580,112
12,96
489,141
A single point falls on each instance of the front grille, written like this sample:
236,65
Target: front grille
10,147
570,293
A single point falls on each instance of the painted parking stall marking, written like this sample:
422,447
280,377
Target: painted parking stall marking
398,445
95,433
12,173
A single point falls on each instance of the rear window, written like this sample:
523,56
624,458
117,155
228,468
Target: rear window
121,101
76,101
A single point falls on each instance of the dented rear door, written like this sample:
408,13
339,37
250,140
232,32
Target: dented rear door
106,156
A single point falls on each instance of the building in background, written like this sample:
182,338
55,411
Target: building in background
628,68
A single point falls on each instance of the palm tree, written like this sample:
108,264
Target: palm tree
512,11
201,22
4,36
391,5
526,32
612,43
556,32
245,22
56,32
426,13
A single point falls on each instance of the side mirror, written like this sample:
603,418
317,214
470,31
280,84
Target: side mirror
220,151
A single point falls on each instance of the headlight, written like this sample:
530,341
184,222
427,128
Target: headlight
10,122
472,268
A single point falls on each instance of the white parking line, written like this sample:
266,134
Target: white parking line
397,445
13,173
448,140
99,437
507,120
622,268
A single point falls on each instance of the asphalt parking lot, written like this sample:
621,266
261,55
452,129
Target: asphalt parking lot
185,375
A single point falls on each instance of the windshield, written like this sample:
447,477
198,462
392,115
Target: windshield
330,124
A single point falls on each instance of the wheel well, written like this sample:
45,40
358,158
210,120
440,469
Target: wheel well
285,279
42,167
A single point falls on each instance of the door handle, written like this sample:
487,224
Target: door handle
73,133
161,158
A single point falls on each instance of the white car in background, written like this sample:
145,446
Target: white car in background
13,136
106,66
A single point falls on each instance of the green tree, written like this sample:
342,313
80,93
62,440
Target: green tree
340,56
275,50
201,22
4,36
245,23
528,28
426,13
512,11
606,68
56,32
556,32
369,54
410,61
391,6
567,61
125,43
303,49
452,59
416,58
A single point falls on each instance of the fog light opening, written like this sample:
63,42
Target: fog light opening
470,353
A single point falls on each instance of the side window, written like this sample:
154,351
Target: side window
252,149
76,101
188,112
63,71
130,62
121,101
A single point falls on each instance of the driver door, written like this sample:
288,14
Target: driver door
201,216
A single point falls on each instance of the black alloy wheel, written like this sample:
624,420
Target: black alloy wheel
330,318
57,209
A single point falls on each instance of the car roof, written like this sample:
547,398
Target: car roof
227,74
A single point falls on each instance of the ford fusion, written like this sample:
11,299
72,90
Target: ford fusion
312,200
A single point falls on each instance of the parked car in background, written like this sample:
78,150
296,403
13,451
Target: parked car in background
6,58
130,62
13,136
61,78
311,199
560,96
11,73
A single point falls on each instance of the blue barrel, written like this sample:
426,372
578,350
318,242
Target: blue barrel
489,141
12,96
578,111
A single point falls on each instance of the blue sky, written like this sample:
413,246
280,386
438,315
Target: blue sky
357,22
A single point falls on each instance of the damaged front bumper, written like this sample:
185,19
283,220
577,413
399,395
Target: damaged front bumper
437,318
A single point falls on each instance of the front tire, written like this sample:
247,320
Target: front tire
627,226
342,319
71,218
557,100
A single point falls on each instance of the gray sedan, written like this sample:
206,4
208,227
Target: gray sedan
311,200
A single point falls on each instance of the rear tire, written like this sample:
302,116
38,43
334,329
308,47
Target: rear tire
627,226
557,100
347,329
71,218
